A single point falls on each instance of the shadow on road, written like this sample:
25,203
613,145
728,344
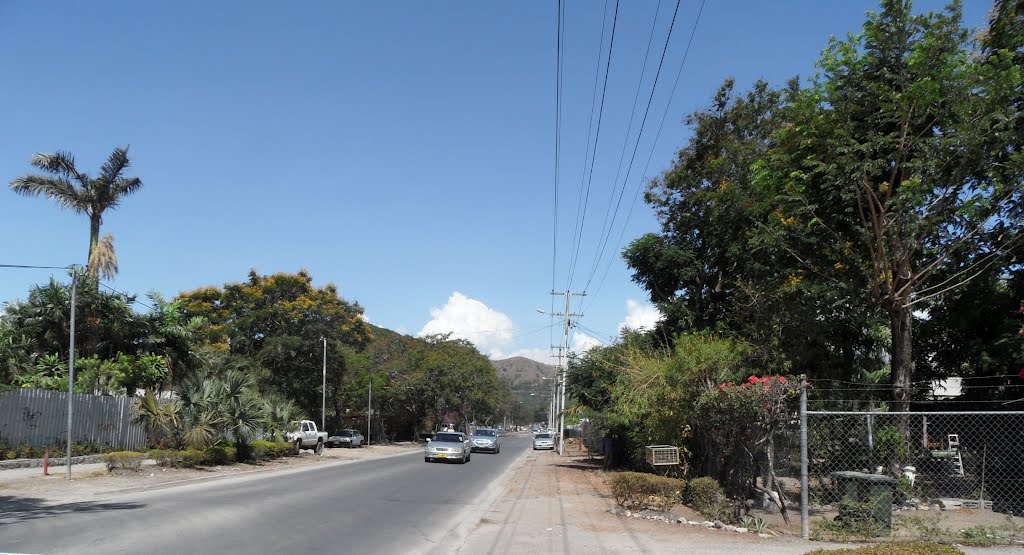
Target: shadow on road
20,509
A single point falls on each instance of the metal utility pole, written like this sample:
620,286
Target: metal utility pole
369,409
323,406
568,314
804,509
71,362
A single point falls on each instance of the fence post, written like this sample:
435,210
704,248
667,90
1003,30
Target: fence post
804,509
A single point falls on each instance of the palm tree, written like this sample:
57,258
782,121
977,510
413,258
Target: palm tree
80,193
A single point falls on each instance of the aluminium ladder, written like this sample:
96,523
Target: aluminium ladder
955,460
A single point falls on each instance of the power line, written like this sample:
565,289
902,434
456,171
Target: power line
134,299
636,147
654,145
590,126
558,140
582,219
25,266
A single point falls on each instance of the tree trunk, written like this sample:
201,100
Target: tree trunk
902,359
94,234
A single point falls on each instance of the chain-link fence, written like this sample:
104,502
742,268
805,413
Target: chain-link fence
938,475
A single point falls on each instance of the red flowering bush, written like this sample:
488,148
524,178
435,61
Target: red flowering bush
740,423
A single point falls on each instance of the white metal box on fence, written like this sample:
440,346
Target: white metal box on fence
659,455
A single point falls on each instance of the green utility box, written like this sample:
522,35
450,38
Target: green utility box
875,489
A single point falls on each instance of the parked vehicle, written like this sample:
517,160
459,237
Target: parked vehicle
306,436
543,440
486,439
345,438
446,446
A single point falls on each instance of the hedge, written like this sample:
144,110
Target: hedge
261,450
707,498
128,460
646,491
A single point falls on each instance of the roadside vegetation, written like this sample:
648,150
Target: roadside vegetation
861,228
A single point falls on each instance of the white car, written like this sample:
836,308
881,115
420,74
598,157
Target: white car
447,446
543,440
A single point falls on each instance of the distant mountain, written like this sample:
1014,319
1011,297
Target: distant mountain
517,370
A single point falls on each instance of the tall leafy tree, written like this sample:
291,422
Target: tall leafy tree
279,321
720,264
77,191
890,166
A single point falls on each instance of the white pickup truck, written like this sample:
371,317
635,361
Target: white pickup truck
306,437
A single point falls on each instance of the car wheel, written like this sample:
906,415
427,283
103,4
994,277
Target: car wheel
498,450
319,448
426,459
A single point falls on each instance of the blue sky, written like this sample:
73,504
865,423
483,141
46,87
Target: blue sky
403,151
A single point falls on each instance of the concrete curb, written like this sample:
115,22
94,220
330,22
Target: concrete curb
225,476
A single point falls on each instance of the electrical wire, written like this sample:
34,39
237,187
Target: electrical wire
30,267
636,147
657,136
581,223
558,141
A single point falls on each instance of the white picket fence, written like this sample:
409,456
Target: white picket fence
40,417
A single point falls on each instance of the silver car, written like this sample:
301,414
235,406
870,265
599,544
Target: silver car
447,446
345,438
486,439
543,440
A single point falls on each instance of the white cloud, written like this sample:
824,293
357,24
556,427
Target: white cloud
640,316
465,318
582,342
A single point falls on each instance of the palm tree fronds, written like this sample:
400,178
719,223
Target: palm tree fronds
103,260
61,163
116,163
57,189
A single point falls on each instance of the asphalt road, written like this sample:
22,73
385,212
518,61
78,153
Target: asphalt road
392,505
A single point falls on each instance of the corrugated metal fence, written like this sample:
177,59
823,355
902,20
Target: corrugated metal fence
40,418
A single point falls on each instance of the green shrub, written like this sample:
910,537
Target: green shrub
262,450
899,548
187,458
856,520
707,498
128,460
166,457
191,458
219,455
646,491
57,450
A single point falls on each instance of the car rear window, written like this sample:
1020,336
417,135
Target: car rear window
544,436
485,433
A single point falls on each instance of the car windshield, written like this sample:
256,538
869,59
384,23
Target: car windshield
543,436
485,433
448,438
343,433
